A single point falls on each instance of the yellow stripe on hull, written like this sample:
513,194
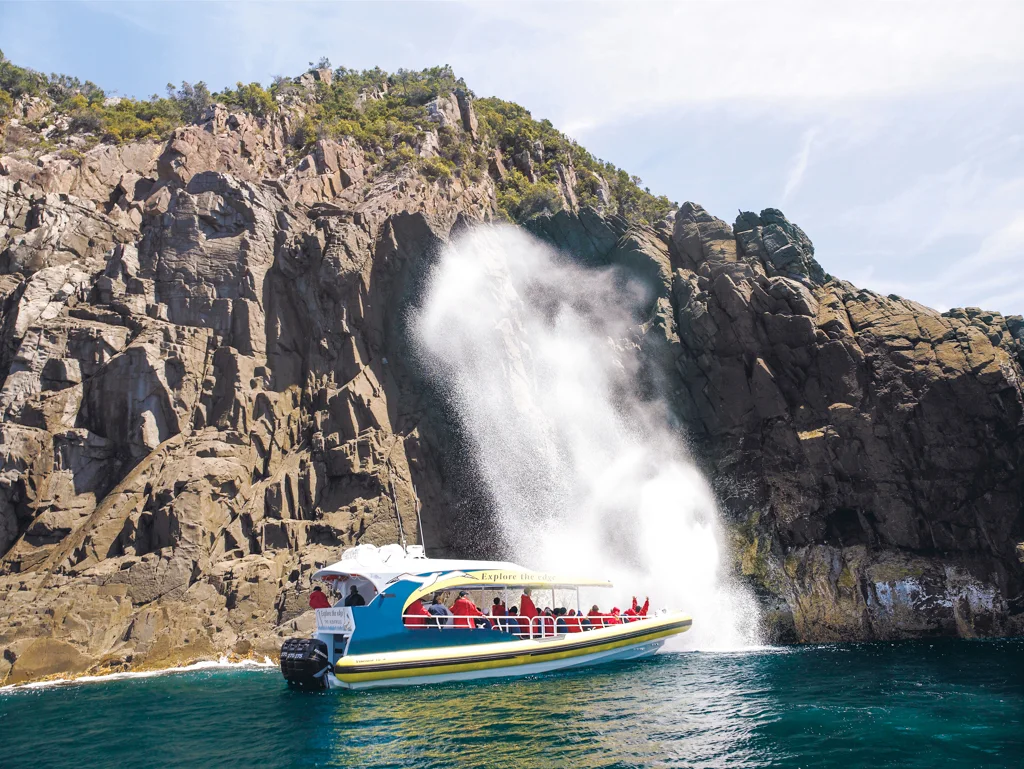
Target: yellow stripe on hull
465,659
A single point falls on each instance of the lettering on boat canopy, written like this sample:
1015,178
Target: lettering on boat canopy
338,619
505,577
498,577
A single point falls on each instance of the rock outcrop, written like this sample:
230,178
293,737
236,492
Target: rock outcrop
868,451
207,391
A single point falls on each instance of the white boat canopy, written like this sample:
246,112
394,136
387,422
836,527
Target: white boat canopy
370,568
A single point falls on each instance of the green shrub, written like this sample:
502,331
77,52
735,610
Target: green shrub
191,100
436,168
306,133
519,199
6,107
129,119
19,81
62,88
252,98
513,130
399,157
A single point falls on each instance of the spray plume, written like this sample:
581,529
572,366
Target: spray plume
586,475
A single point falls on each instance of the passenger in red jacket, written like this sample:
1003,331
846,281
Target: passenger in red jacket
416,614
597,619
636,611
527,608
573,622
498,608
544,624
317,599
614,618
464,610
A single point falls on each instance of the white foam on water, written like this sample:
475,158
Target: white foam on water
587,475
222,662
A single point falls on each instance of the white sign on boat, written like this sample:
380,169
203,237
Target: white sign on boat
338,619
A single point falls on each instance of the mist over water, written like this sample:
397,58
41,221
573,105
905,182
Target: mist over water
588,476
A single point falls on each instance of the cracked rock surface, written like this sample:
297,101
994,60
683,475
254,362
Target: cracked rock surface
207,392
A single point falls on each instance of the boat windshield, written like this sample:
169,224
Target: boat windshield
342,585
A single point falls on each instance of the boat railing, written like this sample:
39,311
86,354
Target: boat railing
541,626
546,626
457,622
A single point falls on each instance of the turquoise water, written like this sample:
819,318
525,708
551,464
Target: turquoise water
948,703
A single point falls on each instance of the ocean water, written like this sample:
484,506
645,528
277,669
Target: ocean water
922,704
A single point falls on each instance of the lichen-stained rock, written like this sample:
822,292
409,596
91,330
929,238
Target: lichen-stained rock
54,230
105,174
243,146
699,237
446,111
781,246
466,111
839,419
329,169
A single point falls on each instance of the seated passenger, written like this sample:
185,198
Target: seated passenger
442,614
544,624
498,608
317,599
465,611
354,599
416,614
514,623
597,619
573,621
561,622
614,618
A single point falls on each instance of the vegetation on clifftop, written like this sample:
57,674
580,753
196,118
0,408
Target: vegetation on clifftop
87,109
388,114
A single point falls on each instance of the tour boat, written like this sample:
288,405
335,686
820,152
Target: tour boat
382,644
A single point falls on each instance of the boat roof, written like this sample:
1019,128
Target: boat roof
381,566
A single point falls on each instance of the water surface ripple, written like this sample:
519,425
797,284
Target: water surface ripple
958,703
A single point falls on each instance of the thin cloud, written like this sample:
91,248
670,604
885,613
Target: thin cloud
799,167
889,130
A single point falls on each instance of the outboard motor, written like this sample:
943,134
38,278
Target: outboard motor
304,663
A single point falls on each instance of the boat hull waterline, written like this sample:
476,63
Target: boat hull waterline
632,640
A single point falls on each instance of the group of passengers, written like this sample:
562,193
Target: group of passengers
318,600
525,620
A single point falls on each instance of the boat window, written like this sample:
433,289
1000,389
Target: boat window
342,587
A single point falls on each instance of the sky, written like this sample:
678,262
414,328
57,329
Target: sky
892,133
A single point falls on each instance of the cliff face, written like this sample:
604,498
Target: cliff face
868,451
207,391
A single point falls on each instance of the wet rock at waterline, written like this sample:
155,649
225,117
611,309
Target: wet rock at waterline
209,387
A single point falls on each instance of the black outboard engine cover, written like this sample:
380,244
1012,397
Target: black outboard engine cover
304,663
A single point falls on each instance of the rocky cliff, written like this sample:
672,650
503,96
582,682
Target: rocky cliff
207,389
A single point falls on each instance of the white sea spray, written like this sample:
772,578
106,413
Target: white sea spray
586,474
